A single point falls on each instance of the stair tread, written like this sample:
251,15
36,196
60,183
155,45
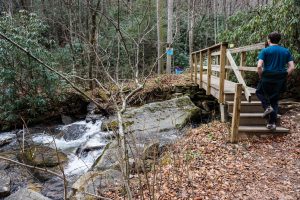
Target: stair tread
245,103
251,115
279,129
233,92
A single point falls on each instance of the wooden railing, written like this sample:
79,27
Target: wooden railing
219,59
223,62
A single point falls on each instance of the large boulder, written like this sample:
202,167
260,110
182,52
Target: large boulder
4,184
73,131
148,128
91,181
151,120
26,194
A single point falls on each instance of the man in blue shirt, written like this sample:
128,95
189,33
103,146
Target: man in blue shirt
272,71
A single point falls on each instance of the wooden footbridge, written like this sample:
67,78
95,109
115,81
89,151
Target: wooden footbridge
210,68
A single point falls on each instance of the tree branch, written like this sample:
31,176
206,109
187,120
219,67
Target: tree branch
49,68
32,167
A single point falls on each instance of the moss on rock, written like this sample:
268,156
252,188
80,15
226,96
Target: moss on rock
41,156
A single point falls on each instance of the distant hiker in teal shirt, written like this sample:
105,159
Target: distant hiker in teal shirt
275,63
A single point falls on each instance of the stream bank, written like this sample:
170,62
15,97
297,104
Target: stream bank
82,143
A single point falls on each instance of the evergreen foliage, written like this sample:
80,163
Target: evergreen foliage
25,87
246,28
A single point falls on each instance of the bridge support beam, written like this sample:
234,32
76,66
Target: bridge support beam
222,73
236,113
223,112
201,58
209,62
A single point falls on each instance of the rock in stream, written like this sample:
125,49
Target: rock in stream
147,128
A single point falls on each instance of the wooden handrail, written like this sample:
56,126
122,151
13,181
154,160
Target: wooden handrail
238,75
252,47
216,46
216,68
224,60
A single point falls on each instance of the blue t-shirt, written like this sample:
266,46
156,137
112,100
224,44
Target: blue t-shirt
275,58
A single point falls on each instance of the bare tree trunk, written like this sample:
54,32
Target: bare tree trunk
159,36
225,14
10,8
93,43
170,34
191,22
215,21
118,60
71,37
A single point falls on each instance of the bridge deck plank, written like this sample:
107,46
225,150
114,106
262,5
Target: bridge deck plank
229,85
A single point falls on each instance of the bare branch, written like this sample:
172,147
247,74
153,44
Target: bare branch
32,167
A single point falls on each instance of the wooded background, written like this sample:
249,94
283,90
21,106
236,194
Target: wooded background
124,39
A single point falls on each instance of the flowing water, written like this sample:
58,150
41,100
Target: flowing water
83,142
82,151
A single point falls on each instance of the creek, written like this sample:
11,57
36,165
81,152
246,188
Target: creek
81,141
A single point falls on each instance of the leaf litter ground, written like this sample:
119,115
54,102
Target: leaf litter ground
203,165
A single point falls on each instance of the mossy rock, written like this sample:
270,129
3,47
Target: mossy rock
156,117
102,95
42,156
114,125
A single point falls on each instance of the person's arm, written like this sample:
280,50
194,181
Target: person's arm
291,67
260,64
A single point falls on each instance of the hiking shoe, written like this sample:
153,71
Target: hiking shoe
271,127
268,111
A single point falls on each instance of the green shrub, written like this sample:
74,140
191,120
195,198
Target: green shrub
26,87
246,28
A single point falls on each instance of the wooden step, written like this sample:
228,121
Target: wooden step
230,97
247,107
253,119
261,129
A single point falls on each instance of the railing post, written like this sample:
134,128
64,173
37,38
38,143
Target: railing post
243,62
195,67
208,71
201,69
222,72
191,66
236,113
227,71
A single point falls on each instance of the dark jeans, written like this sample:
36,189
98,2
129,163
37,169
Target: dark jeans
266,101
